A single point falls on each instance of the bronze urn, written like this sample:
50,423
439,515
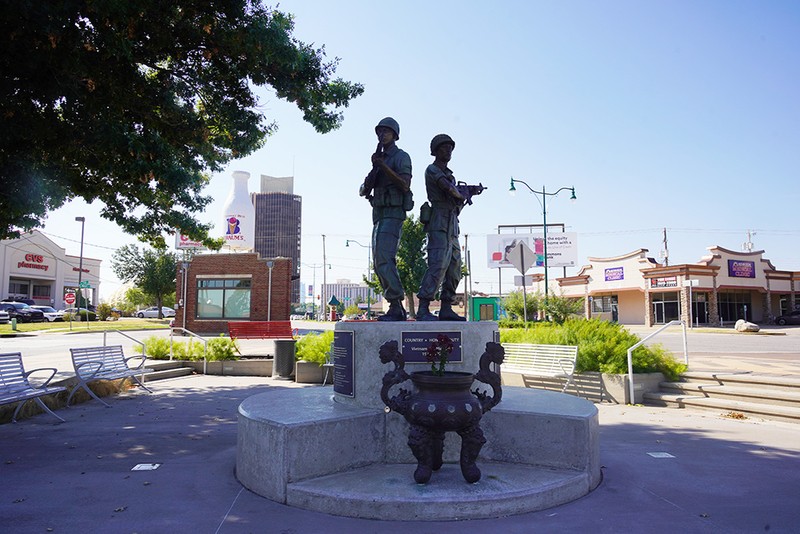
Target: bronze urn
439,404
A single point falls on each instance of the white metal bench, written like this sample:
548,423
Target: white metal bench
15,387
104,363
548,361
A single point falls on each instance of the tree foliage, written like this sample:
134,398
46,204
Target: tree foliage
560,308
134,103
411,264
515,308
153,271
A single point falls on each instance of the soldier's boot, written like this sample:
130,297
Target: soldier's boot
396,312
446,312
424,313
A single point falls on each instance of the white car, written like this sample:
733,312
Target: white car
4,317
50,313
152,312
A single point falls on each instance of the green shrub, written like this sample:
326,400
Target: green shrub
103,311
156,348
188,350
602,346
314,347
222,348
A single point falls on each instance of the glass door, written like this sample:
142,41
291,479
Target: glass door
658,312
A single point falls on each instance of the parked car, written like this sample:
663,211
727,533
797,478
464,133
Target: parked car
29,302
152,312
4,318
50,313
22,312
792,317
92,316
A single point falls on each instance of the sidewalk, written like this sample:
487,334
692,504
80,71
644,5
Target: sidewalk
725,475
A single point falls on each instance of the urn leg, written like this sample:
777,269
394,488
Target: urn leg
437,448
472,440
420,441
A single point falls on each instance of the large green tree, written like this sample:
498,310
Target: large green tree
153,271
134,103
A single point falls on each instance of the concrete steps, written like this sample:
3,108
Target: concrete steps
769,397
166,369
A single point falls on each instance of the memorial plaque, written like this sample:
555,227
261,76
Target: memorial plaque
343,368
414,345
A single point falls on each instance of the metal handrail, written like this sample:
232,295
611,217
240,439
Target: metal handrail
198,336
640,343
129,337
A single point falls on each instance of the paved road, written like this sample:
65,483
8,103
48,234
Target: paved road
775,350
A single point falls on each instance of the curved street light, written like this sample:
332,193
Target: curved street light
544,194
369,273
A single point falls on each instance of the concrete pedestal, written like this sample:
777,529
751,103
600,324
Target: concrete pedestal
321,451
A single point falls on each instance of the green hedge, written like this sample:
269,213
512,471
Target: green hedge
219,348
602,346
314,347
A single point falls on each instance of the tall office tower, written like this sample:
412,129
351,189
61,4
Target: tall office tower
278,218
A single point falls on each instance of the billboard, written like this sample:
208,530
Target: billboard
562,249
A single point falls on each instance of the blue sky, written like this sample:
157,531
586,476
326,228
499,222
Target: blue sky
678,115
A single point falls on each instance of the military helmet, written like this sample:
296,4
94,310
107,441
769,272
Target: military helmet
391,124
438,140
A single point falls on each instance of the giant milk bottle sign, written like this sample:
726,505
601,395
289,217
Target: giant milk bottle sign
240,214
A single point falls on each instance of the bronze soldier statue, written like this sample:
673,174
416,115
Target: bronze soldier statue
446,198
388,189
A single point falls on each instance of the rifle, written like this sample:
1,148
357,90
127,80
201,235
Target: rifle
469,191
366,190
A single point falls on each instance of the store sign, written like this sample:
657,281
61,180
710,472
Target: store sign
664,282
741,269
183,242
615,273
33,261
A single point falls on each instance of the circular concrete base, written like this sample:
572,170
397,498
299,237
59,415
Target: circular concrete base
388,492
300,447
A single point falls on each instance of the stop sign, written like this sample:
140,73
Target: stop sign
69,298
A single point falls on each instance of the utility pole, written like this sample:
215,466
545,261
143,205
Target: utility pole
324,302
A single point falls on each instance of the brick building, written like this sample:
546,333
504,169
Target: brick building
217,288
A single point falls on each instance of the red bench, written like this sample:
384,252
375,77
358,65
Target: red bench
261,330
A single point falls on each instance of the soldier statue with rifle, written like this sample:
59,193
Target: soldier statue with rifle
446,198
388,189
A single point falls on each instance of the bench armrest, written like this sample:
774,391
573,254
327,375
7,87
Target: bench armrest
52,370
567,365
141,364
92,363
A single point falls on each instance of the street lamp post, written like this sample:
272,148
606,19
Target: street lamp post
314,285
369,274
81,220
544,194
270,265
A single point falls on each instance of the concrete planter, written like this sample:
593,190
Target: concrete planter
308,372
250,367
616,388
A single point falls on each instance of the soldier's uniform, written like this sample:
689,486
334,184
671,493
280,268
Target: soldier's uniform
440,217
444,251
389,206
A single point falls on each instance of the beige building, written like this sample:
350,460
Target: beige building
722,287
34,267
